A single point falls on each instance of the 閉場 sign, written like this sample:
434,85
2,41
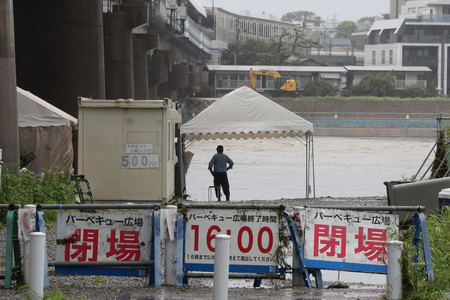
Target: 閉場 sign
348,240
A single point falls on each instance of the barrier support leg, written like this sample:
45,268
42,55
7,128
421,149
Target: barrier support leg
257,282
40,227
299,252
421,234
12,249
155,254
181,279
317,273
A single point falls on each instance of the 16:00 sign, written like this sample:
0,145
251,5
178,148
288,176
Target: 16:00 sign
246,238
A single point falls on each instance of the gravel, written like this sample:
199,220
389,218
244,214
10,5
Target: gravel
104,287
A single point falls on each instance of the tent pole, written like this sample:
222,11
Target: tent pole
313,167
307,166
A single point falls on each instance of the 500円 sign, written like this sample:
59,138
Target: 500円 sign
139,156
254,239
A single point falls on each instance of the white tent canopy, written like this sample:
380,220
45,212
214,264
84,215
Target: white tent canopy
46,131
244,113
34,112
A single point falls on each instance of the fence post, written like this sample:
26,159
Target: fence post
1,165
37,268
221,266
394,275
180,251
171,245
27,225
12,249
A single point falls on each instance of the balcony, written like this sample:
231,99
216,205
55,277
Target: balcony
196,36
415,38
403,84
427,18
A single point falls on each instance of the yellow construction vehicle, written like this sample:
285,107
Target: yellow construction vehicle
283,84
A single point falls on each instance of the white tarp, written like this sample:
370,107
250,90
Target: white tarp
46,131
244,113
33,112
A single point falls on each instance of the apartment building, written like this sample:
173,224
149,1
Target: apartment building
418,37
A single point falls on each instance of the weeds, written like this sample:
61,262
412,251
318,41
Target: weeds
26,187
415,284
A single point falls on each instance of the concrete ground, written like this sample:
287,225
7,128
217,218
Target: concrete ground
250,293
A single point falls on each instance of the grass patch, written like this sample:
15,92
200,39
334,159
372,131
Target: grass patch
415,284
26,187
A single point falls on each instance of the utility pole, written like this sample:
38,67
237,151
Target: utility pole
9,132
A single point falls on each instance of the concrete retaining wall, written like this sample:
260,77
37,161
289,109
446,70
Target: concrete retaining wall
415,119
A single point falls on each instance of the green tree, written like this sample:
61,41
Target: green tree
345,29
299,16
320,87
275,52
250,52
431,90
365,19
379,85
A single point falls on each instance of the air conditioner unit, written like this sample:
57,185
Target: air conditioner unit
172,4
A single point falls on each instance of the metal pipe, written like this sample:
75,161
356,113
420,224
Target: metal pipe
217,206
101,264
234,206
98,206
370,208
236,275
425,160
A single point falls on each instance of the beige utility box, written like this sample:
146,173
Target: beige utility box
126,148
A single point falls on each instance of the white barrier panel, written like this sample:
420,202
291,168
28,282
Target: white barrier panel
254,239
221,267
85,237
37,265
347,240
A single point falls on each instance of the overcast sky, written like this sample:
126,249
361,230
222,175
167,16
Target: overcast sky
327,9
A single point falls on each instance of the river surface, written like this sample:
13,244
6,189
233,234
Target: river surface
275,168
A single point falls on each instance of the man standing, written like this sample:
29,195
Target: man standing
218,166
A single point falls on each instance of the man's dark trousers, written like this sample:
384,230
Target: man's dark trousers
221,179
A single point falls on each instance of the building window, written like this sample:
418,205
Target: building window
391,57
374,57
383,57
